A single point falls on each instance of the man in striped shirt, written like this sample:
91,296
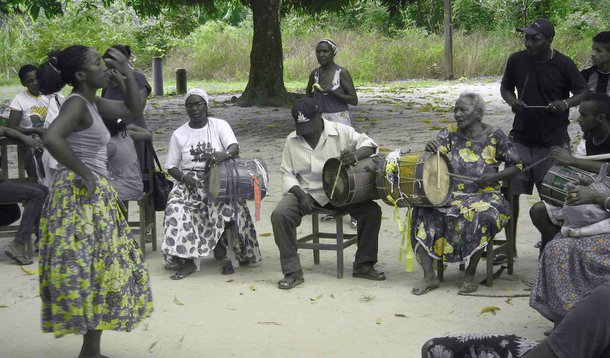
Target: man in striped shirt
305,152
598,74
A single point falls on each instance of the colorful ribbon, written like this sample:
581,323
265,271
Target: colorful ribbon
405,229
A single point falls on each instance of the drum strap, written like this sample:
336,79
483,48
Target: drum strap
405,228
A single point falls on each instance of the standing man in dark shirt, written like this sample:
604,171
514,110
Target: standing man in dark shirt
543,78
598,74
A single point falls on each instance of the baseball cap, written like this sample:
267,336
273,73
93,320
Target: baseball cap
304,113
540,26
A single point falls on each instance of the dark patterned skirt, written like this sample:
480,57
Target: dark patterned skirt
92,272
476,345
194,225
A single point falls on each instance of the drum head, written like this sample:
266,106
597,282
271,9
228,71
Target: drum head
436,179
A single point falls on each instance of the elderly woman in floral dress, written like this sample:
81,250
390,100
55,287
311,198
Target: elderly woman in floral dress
194,224
477,210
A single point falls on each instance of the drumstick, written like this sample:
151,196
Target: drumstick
332,193
438,169
536,163
462,177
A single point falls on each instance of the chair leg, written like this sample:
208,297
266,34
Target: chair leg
339,222
142,214
490,264
315,228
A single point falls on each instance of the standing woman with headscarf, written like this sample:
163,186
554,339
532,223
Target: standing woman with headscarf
194,224
331,85
92,274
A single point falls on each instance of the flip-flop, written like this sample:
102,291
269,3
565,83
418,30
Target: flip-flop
228,269
290,281
468,287
180,275
429,287
22,259
370,274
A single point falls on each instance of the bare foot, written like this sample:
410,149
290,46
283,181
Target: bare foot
425,286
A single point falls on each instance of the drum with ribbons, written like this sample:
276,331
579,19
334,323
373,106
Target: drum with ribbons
414,179
237,179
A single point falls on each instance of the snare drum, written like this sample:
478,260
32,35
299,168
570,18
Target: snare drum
415,179
554,189
355,183
235,179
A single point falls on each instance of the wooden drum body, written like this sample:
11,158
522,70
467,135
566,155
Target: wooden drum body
355,183
237,179
415,179
554,185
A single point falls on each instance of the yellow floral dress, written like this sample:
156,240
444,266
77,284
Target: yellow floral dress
475,214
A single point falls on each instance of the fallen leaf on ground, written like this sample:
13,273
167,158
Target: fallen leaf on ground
490,309
181,339
400,315
272,126
509,301
317,297
332,296
27,271
177,301
271,323
378,320
253,287
3,306
265,234
231,280
153,345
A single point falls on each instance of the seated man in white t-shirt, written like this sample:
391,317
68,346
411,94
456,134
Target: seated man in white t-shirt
28,111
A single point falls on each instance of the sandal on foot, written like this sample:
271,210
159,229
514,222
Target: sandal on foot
370,273
327,218
468,287
500,259
180,275
21,258
228,269
290,281
424,287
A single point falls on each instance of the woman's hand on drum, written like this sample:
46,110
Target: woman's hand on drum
219,156
581,195
348,157
487,179
432,146
562,156
189,182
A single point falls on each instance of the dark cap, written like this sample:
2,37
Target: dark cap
304,113
540,26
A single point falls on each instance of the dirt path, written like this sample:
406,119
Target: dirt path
245,315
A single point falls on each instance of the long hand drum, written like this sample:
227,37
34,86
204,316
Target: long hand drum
554,190
237,179
355,183
417,179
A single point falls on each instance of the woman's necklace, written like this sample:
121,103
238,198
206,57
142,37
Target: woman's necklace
595,142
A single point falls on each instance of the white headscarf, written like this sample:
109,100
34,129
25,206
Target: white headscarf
198,92
332,44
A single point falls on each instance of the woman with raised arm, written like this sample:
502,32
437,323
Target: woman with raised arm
92,275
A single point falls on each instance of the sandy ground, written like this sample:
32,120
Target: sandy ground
245,315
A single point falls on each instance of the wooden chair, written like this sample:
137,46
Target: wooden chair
147,215
341,240
495,246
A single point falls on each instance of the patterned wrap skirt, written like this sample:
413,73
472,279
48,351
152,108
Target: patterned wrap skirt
194,225
92,272
569,269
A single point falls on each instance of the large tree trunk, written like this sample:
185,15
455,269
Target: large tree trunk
266,83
